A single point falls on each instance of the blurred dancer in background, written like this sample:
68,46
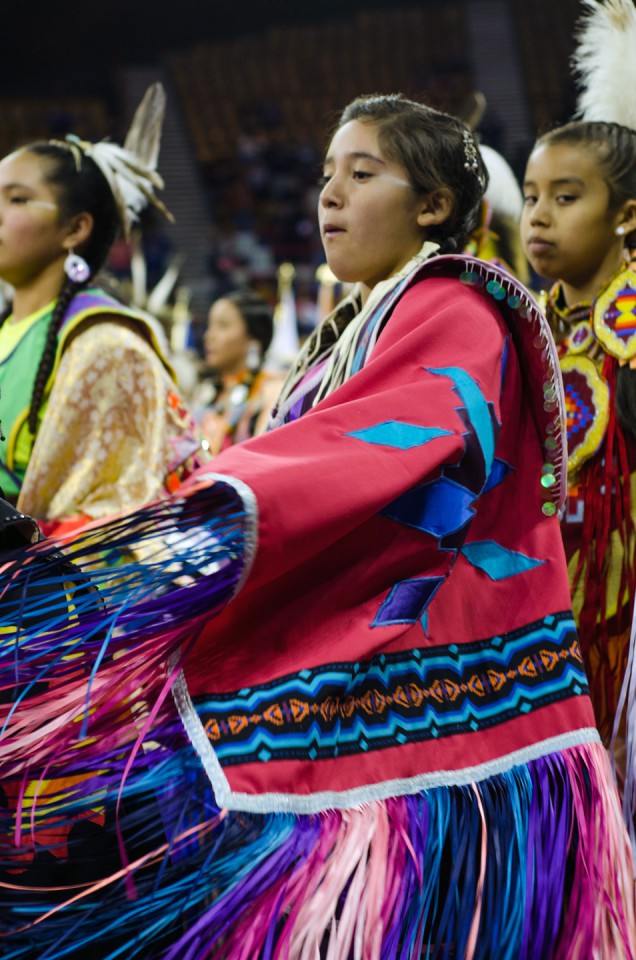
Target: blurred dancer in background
234,403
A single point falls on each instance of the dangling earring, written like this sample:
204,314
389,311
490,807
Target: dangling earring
253,356
76,268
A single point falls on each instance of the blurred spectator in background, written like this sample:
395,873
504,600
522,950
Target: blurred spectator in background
233,402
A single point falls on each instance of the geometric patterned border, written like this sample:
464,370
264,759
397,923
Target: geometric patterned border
343,709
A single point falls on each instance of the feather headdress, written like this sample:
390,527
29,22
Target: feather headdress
604,62
131,170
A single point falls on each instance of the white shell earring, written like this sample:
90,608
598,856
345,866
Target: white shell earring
76,267
620,231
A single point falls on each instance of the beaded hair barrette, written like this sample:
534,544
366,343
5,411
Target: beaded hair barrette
471,157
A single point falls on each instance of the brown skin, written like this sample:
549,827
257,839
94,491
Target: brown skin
568,226
34,238
372,221
226,339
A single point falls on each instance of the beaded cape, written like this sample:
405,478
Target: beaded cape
339,704
598,529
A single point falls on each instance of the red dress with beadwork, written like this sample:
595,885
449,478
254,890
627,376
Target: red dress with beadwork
598,522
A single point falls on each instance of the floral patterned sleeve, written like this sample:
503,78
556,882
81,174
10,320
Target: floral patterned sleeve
115,433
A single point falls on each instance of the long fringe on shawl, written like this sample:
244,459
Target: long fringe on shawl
111,841
529,864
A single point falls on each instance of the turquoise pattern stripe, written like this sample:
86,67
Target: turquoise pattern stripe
425,693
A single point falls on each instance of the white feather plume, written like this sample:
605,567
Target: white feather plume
605,62
158,296
131,170
138,270
144,135
503,192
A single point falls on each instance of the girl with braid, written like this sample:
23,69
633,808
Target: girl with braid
93,419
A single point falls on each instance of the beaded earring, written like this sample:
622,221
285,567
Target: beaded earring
76,268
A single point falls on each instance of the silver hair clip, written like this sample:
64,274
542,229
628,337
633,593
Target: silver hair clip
471,157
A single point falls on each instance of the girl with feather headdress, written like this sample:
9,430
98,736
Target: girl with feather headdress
93,418
579,230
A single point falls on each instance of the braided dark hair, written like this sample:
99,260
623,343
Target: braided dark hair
615,149
431,146
77,191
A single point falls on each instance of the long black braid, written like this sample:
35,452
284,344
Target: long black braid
79,188
47,360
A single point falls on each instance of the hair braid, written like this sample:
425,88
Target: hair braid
84,189
47,360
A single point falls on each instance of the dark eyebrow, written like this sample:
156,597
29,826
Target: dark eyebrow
566,180
561,182
17,185
361,155
368,156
